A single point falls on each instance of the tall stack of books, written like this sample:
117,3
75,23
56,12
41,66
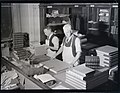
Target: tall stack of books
108,55
18,40
18,45
82,77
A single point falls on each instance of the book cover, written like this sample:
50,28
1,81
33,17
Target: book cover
107,49
44,77
56,65
83,70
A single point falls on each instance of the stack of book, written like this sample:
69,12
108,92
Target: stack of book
18,45
108,55
92,61
18,40
82,77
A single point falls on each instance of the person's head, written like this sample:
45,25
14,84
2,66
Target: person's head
67,30
47,31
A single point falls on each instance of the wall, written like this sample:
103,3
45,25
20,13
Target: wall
26,19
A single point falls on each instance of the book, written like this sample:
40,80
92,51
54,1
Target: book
56,65
107,59
44,77
107,49
111,59
74,74
92,61
83,70
76,82
77,79
100,77
112,55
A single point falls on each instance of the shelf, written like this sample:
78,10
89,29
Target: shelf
95,29
92,22
54,16
55,24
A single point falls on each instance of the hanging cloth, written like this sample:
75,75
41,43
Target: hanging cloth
77,23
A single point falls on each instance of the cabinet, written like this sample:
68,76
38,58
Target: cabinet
114,23
98,14
102,24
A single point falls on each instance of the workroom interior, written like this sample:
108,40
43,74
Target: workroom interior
59,46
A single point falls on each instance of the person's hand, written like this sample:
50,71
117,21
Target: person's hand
46,46
71,65
54,56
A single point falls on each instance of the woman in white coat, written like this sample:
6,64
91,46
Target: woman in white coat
70,47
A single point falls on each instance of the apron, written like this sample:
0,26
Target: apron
50,53
67,54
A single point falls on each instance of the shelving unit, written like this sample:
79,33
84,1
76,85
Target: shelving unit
102,19
99,14
85,18
114,22
54,18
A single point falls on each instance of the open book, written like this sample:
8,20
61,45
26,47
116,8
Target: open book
45,78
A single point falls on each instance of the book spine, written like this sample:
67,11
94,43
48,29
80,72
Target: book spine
75,74
76,82
110,59
74,85
107,54
76,78
84,75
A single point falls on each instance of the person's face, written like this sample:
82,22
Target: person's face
67,31
47,32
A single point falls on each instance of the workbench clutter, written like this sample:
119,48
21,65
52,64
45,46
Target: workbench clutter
30,70
9,80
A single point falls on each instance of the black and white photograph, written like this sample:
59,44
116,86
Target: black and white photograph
59,46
